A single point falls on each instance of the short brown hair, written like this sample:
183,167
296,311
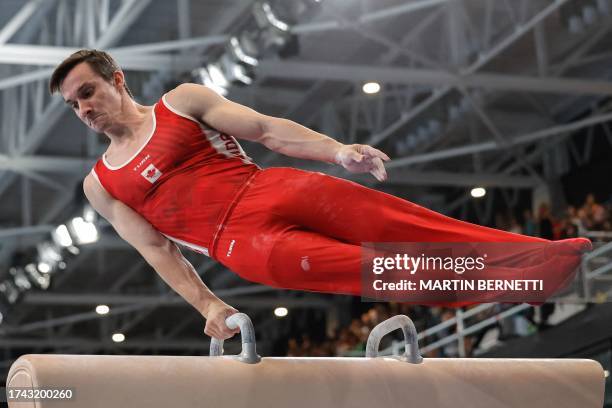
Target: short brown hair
99,61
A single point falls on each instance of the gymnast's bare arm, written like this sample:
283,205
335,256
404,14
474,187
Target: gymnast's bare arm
164,256
280,135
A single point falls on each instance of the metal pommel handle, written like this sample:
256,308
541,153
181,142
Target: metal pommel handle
411,354
247,332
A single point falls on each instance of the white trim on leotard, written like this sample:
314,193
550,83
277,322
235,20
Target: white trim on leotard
194,247
111,167
95,176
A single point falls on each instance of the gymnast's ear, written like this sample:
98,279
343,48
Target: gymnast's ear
119,83
118,80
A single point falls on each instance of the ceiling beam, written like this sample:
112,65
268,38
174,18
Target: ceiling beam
370,17
29,230
14,24
128,60
51,164
494,145
453,179
434,78
237,296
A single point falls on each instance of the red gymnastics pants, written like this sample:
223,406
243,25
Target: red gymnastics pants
295,229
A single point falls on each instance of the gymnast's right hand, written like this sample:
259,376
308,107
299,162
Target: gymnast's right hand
216,314
358,158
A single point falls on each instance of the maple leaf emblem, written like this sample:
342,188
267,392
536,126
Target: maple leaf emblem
151,173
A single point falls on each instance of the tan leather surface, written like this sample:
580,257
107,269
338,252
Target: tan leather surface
166,381
20,377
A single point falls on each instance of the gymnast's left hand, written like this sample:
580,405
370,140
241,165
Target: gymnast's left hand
216,314
358,158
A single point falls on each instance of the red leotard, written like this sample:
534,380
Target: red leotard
182,180
280,226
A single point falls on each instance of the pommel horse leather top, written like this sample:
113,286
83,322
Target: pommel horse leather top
249,381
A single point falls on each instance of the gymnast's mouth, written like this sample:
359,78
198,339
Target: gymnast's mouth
95,118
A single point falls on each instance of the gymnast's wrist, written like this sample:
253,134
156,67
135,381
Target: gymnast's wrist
203,306
337,154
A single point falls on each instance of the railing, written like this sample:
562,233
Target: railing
603,235
602,255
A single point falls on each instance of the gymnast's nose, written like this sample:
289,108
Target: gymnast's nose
85,111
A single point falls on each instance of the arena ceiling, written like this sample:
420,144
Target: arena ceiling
473,93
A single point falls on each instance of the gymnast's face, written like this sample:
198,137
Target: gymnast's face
96,101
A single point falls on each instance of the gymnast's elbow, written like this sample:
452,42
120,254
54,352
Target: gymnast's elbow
274,133
272,143
160,253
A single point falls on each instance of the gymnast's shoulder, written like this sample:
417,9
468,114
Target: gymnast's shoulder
193,99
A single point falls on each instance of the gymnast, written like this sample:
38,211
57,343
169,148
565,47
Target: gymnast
174,173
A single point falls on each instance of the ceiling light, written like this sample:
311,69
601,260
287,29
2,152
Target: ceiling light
371,87
20,279
44,267
89,214
281,312
217,75
61,236
237,50
102,309
49,254
84,232
203,76
478,192
10,291
43,281
234,72
264,16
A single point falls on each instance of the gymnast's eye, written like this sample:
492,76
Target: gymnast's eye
87,92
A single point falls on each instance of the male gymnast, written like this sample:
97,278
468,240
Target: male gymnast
173,173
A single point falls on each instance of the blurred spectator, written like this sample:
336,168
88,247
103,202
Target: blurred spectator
293,350
515,226
573,218
529,224
545,223
568,230
592,214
